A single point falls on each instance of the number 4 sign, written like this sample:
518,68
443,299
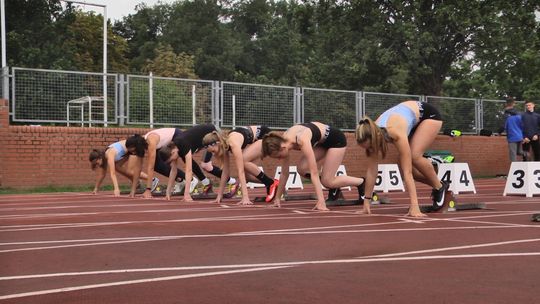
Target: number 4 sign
523,178
458,176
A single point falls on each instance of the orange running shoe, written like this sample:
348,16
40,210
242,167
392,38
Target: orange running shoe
271,192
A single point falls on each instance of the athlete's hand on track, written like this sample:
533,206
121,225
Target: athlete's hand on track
245,202
147,194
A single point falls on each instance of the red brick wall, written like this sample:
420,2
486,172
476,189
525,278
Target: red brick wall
40,156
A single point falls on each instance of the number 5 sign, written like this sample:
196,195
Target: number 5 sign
458,176
523,178
388,178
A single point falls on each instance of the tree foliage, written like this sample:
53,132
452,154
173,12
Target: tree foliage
432,47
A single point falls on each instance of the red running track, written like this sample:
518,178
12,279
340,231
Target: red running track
80,248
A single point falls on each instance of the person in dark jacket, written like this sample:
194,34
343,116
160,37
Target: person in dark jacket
531,130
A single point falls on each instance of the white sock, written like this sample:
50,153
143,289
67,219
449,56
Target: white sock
205,181
232,181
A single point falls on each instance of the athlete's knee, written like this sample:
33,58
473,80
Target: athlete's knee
418,158
327,182
207,166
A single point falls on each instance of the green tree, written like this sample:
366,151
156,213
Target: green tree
40,34
142,31
168,64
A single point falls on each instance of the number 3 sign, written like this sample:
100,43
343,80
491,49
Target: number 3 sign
523,178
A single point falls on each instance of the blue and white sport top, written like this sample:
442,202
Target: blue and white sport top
120,151
401,110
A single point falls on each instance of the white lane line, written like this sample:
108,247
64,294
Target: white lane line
258,234
411,221
120,283
454,248
281,216
269,266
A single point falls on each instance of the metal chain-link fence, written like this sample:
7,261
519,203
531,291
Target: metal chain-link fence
334,107
68,97
244,104
168,101
45,95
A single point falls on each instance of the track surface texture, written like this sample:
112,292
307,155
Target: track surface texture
83,248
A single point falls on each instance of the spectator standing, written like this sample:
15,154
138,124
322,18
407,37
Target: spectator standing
514,135
531,131
509,110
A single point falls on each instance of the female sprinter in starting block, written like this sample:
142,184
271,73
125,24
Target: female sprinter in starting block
244,145
183,147
411,126
317,142
117,157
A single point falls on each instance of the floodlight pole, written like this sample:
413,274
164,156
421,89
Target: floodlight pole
3,21
4,72
105,118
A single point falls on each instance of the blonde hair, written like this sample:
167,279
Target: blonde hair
271,143
219,138
368,131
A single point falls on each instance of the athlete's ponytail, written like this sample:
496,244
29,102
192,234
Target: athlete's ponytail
368,131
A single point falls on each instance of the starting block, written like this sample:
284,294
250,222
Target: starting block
290,197
523,178
341,201
388,178
202,196
536,217
458,176
452,206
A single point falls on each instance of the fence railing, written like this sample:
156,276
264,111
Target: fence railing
69,97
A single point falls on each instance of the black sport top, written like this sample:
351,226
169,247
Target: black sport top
249,137
191,139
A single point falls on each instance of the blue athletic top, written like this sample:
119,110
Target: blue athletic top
120,152
514,129
401,110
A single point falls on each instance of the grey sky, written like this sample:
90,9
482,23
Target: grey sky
116,9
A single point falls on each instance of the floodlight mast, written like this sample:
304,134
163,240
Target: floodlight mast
4,80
